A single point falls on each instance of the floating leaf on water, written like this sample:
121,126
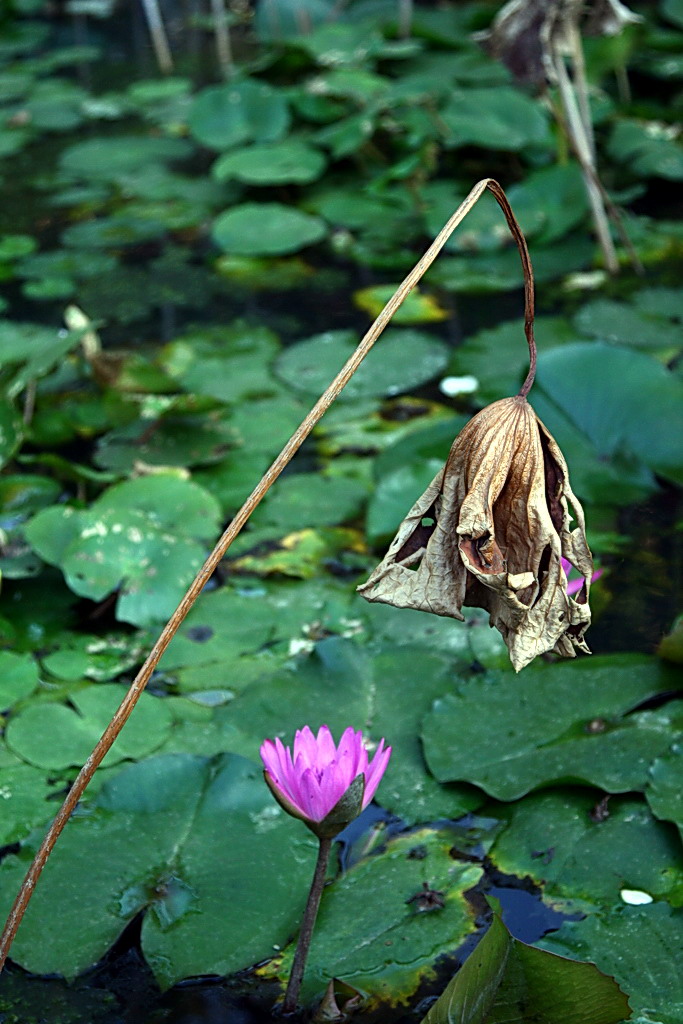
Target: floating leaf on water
553,724
372,932
402,359
664,790
18,678
106,158
640,947
180,809
418,308
504,979
54,736
223,116
559,839
620,323
145,538
271,164
624,418
502,118
266,229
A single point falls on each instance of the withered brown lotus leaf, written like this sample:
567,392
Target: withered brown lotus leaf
490,532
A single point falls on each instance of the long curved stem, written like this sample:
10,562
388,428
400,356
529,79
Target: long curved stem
125,709
306,931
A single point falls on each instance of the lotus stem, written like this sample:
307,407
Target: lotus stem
307,924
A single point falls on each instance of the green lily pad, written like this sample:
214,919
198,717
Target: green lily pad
664,790
55,736
310,499
234,634
499,356
300,554
418,308
640,947
229,363
660,302
223,116
506,980
402,359
566,722
266,229
172,441
626,417
502,118
144,537
33,349
74,656
552,838
367,933
120,229
21,496
24,792
18,678
271,164
106,159
617,322
205,912
648,148
482,273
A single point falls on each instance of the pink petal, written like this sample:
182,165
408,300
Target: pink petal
326,750
375,772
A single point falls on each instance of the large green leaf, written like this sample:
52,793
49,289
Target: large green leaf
403,359
271,164
25,793
504,980
618,322
648,148
223,116
624,418
499,356
145,538
189,839
54,736
585,856
266,229
236,634
18,678
499,118
641,948
106,159
370,936
565,722
664,790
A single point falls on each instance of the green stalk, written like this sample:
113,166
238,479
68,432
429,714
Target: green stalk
307,924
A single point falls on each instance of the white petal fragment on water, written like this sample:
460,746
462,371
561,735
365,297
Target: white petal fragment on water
635,897
451,386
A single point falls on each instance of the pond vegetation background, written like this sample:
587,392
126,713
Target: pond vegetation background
187,260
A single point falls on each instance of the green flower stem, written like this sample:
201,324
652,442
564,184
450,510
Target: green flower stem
307,925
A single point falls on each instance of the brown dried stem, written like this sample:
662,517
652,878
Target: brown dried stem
301,433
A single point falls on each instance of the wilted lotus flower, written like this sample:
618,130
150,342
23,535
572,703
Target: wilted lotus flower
490,532
323,785
326,787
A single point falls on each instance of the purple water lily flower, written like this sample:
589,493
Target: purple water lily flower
573,586
310,781
326,786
